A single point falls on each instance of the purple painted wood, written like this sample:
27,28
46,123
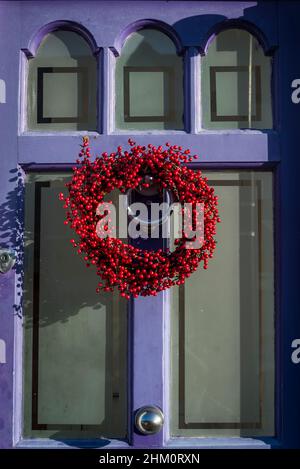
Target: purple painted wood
107,22
8,209
147,363
105,25
56,25
220,146
192,102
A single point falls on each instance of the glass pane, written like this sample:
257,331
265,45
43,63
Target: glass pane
236,83
62,84
149,83
75,339
222,340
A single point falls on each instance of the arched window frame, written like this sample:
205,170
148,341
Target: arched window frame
268,50
115,52
28,53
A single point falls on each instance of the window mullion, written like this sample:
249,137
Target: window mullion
192,90
106,106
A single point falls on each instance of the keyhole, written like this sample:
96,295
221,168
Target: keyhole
4,258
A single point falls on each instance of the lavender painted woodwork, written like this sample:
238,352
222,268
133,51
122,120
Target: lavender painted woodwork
210,146
147,361
105,25
108,21
8,207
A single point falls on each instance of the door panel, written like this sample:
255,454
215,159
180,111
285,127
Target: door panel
223,320
220,343
75,339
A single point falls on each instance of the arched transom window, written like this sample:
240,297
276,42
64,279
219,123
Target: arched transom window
62,84
149,83
236,83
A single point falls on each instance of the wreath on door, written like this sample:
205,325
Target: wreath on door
133,270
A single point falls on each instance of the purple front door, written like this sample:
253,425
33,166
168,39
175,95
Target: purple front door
76,366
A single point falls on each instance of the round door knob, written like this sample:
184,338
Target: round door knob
149,420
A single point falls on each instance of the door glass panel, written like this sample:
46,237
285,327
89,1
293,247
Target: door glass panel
222,320
149,83
236,83
75,339
62,80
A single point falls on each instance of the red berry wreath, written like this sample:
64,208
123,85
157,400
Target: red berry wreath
132,270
